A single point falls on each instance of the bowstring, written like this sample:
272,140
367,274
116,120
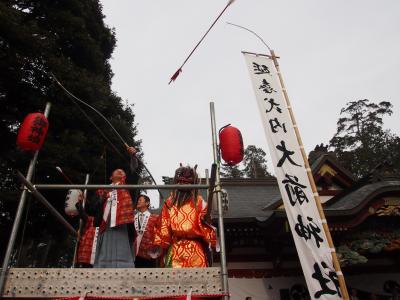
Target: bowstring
73,98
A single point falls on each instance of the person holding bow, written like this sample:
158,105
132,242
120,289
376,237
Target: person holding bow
115,217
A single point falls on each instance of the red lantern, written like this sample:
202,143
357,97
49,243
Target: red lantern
231,145
32,132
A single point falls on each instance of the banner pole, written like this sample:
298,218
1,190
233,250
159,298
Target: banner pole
335,260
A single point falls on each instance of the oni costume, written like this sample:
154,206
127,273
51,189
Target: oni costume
183,232
115,218
145,229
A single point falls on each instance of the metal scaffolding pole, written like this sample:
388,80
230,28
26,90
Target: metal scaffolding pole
207,179
18,215
120,187
224,269
46,203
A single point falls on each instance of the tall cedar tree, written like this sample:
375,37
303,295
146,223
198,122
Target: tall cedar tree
360,142
68,38
255,163
228,171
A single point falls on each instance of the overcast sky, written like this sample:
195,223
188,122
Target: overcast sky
331,52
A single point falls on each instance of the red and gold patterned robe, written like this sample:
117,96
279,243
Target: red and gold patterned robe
87,243
182,230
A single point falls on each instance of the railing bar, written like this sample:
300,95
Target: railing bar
125,186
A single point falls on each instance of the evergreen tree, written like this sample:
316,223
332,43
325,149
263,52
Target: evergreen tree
360,142
228,171
67,38
255,163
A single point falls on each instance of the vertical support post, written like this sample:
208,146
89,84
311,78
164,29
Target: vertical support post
224,269
335,260
207,179
80,229
18,215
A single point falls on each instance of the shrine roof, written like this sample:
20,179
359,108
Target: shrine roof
248,197
327,157
357,199
259,199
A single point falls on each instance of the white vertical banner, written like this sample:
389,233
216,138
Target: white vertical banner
294,185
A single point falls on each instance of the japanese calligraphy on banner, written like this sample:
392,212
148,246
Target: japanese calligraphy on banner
301,210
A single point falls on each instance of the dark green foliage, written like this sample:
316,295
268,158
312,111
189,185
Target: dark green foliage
255,165
360,142
68,38
228,171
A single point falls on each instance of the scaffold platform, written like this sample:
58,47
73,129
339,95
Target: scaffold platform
42,283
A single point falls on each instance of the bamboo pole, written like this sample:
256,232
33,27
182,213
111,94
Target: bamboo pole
325,226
